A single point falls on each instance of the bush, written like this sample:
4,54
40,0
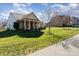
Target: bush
64,25
44,27
7,29
16,25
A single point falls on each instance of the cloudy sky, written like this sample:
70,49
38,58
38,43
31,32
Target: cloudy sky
37,8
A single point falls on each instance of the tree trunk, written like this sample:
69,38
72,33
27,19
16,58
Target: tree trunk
49,30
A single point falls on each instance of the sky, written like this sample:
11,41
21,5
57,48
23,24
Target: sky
71,9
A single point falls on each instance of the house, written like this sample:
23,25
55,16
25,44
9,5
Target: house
25,21
63,20
1,26
59,20
74,21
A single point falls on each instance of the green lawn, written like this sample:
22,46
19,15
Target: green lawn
25,42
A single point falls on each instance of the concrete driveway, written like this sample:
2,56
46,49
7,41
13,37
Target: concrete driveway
69,47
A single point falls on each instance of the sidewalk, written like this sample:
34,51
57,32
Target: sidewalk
69,47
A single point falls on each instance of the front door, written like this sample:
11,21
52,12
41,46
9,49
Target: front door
31,25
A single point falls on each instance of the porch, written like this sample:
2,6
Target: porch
28,24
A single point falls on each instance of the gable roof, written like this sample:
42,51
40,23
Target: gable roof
30,16
19,16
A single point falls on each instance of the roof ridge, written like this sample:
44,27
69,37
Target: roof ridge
17,13
20,16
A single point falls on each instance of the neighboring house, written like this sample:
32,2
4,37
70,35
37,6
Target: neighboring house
59,20
26,21
74,21
64,20
1,25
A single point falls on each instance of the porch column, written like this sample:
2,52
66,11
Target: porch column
33,25
29,25
37,25
24,24
20,25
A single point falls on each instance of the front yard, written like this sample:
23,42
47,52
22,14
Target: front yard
25,42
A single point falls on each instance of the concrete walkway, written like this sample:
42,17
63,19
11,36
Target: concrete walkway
69,47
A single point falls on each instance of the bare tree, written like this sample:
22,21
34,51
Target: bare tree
69,18
47,15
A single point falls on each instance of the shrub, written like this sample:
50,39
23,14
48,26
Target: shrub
16,25
7,29
64,25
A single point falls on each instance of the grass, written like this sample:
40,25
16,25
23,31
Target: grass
25,42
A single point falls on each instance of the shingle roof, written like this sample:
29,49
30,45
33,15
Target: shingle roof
23,16
30,16
18,16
